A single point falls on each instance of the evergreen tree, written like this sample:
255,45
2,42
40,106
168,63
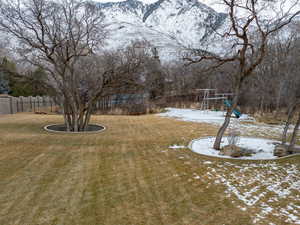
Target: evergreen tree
6,67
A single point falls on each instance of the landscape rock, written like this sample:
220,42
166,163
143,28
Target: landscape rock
232,151
281,150
296,150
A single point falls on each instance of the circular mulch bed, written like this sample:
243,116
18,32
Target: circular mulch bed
61,128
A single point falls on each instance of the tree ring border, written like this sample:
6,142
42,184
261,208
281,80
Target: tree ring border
46,128
235,159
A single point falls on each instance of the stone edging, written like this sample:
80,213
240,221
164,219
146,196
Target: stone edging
192,142
66,132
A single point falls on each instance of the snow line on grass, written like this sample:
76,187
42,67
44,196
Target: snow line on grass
263,186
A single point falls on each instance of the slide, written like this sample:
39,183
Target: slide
235,111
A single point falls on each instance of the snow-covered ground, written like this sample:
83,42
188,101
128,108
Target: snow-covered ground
271,187
247,124
269,191
195,115
263,148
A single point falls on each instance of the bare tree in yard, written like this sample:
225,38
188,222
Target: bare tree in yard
64,38
5,67
281,63
249,33
294,135
294,109
155,79
294,106
273,77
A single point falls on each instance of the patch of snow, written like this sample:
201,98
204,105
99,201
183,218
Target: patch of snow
291,218
262,185
272,187
268,9
217,118
177,146
263,148
201,116
266,209
197,177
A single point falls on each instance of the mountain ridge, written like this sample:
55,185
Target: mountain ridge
163,23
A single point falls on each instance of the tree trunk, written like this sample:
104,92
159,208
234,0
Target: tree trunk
66,116
294,136
221,132
262,102
76,118
87,117
291,113
217,144
278,99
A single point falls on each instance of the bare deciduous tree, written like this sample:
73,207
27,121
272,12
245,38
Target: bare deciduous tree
293,110
249,33
62,37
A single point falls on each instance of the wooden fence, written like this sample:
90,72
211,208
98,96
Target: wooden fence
11,105
126,103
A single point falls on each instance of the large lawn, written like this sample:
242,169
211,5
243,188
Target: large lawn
129,175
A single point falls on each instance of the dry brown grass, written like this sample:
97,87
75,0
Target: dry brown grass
125,175
273,119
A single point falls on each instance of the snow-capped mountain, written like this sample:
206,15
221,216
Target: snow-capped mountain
172,25
167,24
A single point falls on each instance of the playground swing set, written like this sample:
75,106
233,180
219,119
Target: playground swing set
212,95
